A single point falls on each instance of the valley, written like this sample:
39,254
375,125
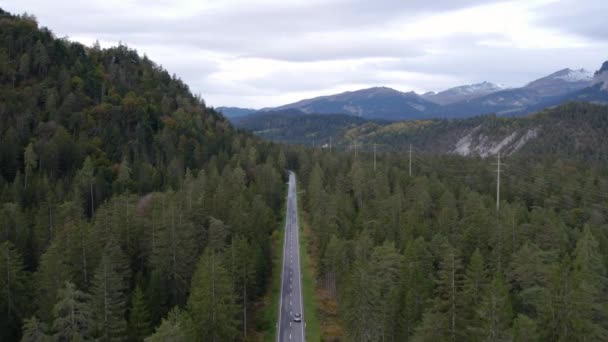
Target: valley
131,209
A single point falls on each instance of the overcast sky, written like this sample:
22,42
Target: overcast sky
270,52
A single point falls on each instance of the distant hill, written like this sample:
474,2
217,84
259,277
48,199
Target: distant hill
541,93
574,130
462,93
459,102
235,112
294,126
372,103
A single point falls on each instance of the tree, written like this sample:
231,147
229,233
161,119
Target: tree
495,312
176,327
41,58
447,304
30,159
139,316
243,273
385,267
34,331
525,329
73,316
109,293
86,178
212,303
475,282
417,285
14,289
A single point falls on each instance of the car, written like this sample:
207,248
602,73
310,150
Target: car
297,318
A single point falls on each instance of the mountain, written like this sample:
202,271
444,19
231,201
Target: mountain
458,102
235,112
601,77
561,82
541,93
111,174
462,93
296,127
373,103
575,130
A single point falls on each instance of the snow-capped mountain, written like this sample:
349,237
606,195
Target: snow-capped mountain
561,82
464,101
462,93
601,76
372,103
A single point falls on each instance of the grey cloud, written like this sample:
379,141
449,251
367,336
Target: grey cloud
586,18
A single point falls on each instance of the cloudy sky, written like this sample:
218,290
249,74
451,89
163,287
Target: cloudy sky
269,52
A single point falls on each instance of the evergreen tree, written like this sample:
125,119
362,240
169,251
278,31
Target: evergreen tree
176,327
495,312
34,331
14,289
109,294
525,329
212,302
475,282
417,285
72,315
139,316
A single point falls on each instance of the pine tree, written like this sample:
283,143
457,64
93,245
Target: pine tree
417,285
177,327
139,316
109,293
359,310
495,312
30,159
385,266
212,303
14,290
447,304
50,277
72,315
525,329
475,282
34,331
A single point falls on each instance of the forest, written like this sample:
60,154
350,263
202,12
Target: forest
131,211
124,200
428,256
574,130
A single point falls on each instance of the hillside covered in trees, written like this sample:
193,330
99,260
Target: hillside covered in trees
430,257
124,201
129,210
574,130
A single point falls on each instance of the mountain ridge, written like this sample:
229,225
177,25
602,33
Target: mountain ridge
458,102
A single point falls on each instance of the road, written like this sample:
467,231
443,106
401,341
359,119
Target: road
291,280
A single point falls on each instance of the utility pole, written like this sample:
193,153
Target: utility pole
498,183
410,160
374,157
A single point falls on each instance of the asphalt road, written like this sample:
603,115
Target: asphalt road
291,280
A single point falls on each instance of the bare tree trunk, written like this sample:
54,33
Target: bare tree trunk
453,298
84,256
92,200
213,292
245,298
8,282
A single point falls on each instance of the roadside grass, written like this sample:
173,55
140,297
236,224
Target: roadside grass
311,301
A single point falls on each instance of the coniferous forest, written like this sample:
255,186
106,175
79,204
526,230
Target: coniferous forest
129,210
121,195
